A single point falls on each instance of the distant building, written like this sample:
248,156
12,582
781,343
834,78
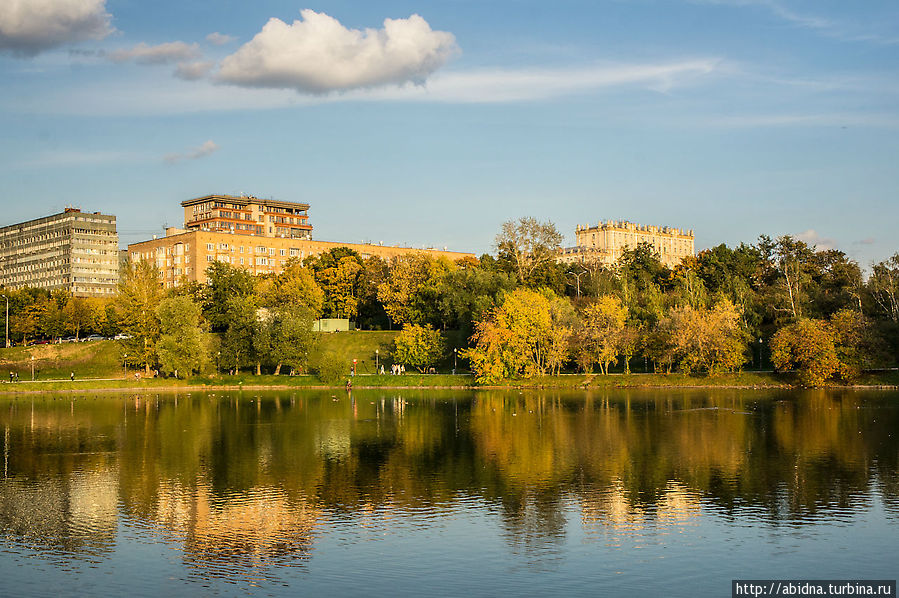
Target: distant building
254,234
248,215
607,241
73,250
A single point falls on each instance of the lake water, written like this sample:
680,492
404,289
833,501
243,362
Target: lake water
446,493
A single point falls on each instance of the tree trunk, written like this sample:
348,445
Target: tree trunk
278,370
258,368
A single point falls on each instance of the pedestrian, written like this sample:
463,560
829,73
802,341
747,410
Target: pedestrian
72,376
382,369
11,376
17,376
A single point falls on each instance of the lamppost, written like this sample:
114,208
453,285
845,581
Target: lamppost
32,368
7,320
377,369
577,277
455,359
760,354
125,364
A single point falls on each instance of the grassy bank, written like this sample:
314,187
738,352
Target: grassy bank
97,365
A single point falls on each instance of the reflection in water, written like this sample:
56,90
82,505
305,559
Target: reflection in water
242,483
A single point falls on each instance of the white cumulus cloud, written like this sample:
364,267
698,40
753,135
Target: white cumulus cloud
160,54
28,27
317,54
209,147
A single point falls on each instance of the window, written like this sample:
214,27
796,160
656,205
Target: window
283,252
210,246
261,261
271,251
294,252
209,258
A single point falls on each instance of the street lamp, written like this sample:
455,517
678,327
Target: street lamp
577,277
455,359
125,364
760,354
32,368
377,352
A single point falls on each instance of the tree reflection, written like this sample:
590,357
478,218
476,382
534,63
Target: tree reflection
245,481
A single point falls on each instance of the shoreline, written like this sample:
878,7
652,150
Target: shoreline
113,385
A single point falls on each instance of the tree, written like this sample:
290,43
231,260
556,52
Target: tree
527,245
79,314
181,347
604,321
883,285
410,295
516,339
419,346
140,294
806,346
224,282
857,345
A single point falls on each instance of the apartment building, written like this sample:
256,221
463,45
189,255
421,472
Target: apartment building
73,250
185,255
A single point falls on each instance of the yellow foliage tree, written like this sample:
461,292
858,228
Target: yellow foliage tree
807,346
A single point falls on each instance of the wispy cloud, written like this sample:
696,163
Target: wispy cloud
824,26
844,120
166,53
193,71
811,237
487,86
208,148
521,85
220,39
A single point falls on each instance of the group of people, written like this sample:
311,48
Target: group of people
14,376
395,370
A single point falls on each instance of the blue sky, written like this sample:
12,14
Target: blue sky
732,117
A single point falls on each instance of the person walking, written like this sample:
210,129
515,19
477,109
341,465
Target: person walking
72,376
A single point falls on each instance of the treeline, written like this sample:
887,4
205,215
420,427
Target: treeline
776,302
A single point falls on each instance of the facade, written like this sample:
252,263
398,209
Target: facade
73,250
248,215
607,241
184,255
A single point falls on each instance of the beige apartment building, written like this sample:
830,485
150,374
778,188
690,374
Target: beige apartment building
185,255
73,250
607,241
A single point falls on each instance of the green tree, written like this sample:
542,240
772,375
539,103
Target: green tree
411,293
419,346
140,293
527,245
224,282
181,348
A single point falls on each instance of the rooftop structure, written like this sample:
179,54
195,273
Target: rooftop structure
73,250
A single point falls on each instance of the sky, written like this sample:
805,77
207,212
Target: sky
432,123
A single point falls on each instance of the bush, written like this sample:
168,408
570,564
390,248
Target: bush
331,367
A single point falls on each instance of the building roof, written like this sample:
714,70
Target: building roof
246,200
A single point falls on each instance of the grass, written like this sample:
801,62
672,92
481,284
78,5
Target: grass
97,365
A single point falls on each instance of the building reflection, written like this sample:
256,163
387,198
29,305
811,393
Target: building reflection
245,483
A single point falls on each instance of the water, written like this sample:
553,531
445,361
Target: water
445,493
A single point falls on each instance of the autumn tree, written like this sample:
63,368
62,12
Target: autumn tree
806,346
603,323
517,338
411,293
419,346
